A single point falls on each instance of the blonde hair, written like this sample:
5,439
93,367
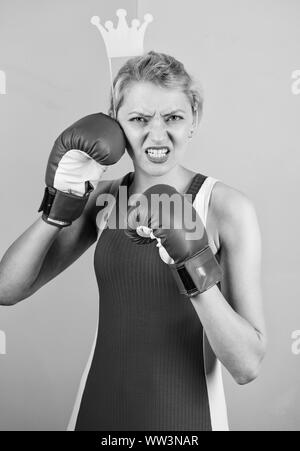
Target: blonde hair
160,69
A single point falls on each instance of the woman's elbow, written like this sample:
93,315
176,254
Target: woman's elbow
9,300
251,371
246,377
4,302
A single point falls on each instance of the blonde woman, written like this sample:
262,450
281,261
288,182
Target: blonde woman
155,363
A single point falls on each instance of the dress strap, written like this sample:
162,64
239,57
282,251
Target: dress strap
127,179
196,184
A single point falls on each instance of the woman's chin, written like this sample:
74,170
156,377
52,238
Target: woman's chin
156,170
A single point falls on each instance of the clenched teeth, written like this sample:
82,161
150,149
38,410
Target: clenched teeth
157,152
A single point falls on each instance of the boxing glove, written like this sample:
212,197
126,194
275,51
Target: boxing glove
77,161
171,220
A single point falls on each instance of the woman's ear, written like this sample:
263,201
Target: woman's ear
196,118
194,124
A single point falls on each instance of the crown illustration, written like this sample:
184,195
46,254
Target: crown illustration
123,41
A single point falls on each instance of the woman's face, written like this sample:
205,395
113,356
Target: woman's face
157,123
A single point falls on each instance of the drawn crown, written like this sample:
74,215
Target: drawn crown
123,40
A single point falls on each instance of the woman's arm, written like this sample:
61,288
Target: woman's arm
43,251
233,317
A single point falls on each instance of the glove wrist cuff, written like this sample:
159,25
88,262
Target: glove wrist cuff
61,209
198,273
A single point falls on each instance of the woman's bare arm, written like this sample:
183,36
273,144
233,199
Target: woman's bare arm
43,251
233,317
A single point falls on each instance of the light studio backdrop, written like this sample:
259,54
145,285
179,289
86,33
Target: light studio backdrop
53,70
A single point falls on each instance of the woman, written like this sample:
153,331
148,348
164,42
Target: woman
155,362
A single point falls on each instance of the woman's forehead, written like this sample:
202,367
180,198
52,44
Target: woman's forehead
149,96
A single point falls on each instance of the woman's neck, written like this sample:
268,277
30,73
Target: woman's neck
179,177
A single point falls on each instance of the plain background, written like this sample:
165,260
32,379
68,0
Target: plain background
244,53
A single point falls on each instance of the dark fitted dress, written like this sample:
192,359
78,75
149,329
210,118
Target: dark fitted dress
147,371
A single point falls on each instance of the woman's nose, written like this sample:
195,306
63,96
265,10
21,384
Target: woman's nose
157,129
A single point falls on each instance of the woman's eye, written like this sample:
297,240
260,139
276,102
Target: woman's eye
175,116
137,119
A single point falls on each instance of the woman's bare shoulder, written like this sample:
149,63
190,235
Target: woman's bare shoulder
231,212
227,200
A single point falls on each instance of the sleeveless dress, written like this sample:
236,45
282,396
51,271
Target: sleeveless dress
151,367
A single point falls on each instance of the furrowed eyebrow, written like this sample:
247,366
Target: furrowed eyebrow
173,112
166,114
